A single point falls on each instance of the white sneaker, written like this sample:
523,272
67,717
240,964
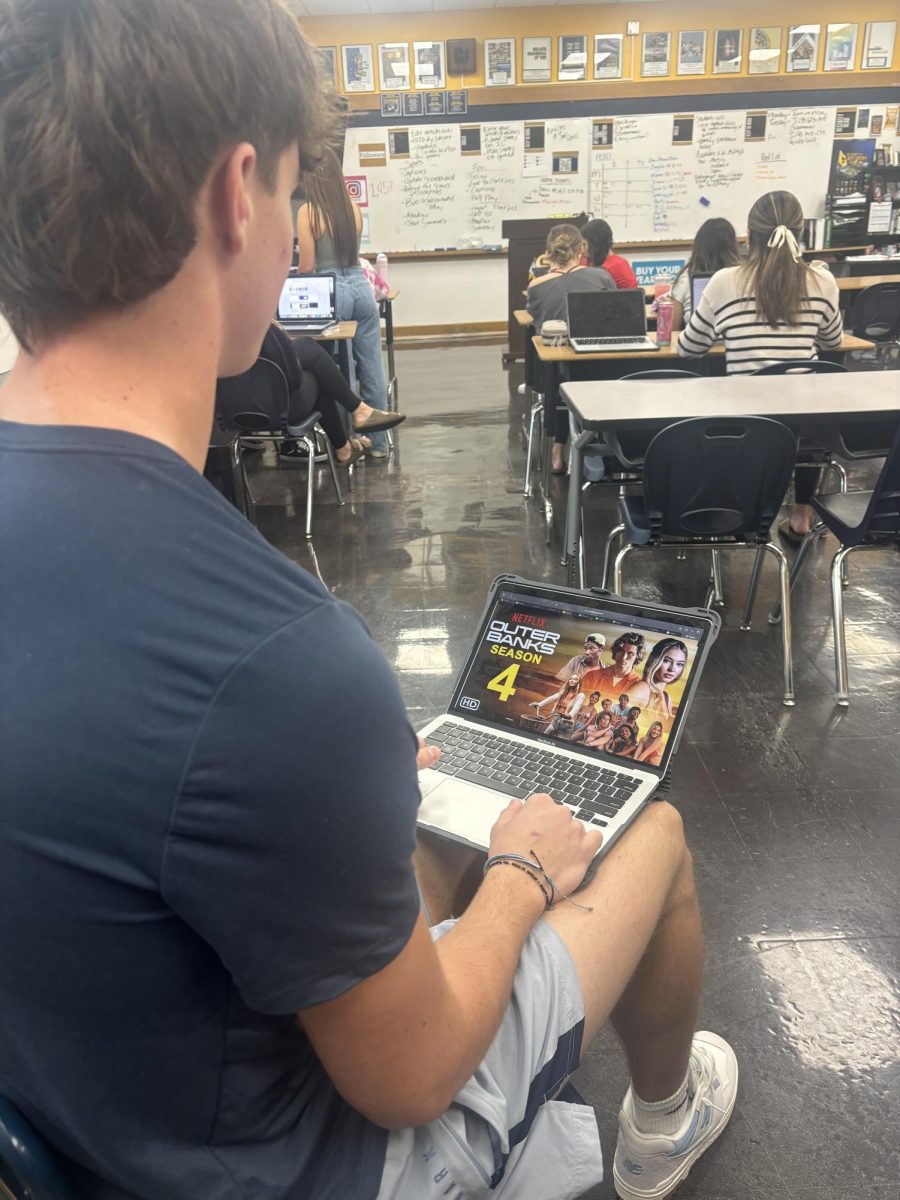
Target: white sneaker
521,389
648,1166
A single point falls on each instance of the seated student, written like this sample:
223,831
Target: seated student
715,246
230,987
306,355
546,301
774,308
597,252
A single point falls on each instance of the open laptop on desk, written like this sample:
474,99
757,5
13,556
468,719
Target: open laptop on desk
508,733
308,304
698,287
613,321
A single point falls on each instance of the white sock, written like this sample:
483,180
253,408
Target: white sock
664,1116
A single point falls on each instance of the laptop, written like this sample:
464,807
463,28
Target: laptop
307,304
515,724
608,321
698,287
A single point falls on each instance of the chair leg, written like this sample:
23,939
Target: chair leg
747,615
718,594
239,486
786,646
800,558
310,482
334,475
617,568
616,531
529,449
837,614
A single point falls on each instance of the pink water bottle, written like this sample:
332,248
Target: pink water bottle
381,265
664,311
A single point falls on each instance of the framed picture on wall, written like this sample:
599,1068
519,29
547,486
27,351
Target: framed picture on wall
358,67
572,57
878,48
428,64
499,62
692,52
765,50
803,47
393,66
536,60
608,55
840,47
328,59
656,49
728,54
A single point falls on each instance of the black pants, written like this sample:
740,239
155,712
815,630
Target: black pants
806,483
323,389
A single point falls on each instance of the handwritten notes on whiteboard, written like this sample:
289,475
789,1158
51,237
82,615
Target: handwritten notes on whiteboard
646,187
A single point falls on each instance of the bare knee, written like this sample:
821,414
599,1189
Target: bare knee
664,823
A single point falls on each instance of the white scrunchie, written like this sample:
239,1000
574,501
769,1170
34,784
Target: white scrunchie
782,234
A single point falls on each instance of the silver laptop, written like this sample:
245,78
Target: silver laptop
608,322
308,304
529,711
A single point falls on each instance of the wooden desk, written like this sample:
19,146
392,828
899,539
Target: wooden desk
855,283
386,311
565,354
805,402
523,317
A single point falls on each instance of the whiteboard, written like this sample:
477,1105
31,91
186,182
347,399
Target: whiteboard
648,188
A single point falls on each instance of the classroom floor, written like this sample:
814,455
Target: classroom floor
793,814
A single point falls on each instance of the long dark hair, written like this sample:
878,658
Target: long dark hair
598,238
332,210
772,274
715,246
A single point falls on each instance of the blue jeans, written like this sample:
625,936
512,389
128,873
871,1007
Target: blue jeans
355,302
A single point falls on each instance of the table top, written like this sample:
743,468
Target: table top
523,316
665,353
855,283
392,295
345,331
603,403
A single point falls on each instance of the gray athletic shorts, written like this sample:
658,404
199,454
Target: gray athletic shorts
501,1137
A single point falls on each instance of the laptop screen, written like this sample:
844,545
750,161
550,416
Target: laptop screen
698,287
307,298
584,675
619,313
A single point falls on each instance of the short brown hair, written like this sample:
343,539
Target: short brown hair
112,113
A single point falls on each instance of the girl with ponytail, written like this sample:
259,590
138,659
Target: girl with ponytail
774,308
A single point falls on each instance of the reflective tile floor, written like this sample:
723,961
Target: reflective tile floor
793,814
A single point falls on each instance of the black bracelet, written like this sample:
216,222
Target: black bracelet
501,860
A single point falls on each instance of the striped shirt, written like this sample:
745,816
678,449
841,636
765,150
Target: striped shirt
727,312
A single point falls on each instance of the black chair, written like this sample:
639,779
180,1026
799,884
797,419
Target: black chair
805,366
875,315
859,521
712,484
257,404
28,1167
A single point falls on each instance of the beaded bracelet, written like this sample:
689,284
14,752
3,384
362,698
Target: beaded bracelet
530,865
501,860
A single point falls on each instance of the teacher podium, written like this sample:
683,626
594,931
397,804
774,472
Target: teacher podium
527,239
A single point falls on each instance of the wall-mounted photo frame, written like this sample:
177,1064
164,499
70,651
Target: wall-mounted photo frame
393,66
391,104
878,47
328,59
572,63
499,62
536,63
840,47
413,104
358,68
656,51
764,57
608,55
429,65
435,104
691,52
728,51
803,47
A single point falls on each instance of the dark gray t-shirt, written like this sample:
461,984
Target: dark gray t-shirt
194,844
546,300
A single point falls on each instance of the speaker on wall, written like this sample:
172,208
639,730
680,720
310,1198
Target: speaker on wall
461,56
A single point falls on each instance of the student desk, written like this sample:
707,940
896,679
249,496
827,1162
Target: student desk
341,337
804,402
386,312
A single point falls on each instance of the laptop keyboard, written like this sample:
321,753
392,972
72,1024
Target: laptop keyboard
583,343
594,792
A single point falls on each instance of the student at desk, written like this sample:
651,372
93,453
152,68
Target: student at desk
715,247
775,308
597,252
546,301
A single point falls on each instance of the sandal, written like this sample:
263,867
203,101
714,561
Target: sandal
357,450
789,533
378,420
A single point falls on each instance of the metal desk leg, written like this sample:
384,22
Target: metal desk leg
387,311
343,357
573,505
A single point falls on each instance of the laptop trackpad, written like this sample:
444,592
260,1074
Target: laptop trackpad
460,809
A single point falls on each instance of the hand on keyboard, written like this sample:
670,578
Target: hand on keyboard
564,846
